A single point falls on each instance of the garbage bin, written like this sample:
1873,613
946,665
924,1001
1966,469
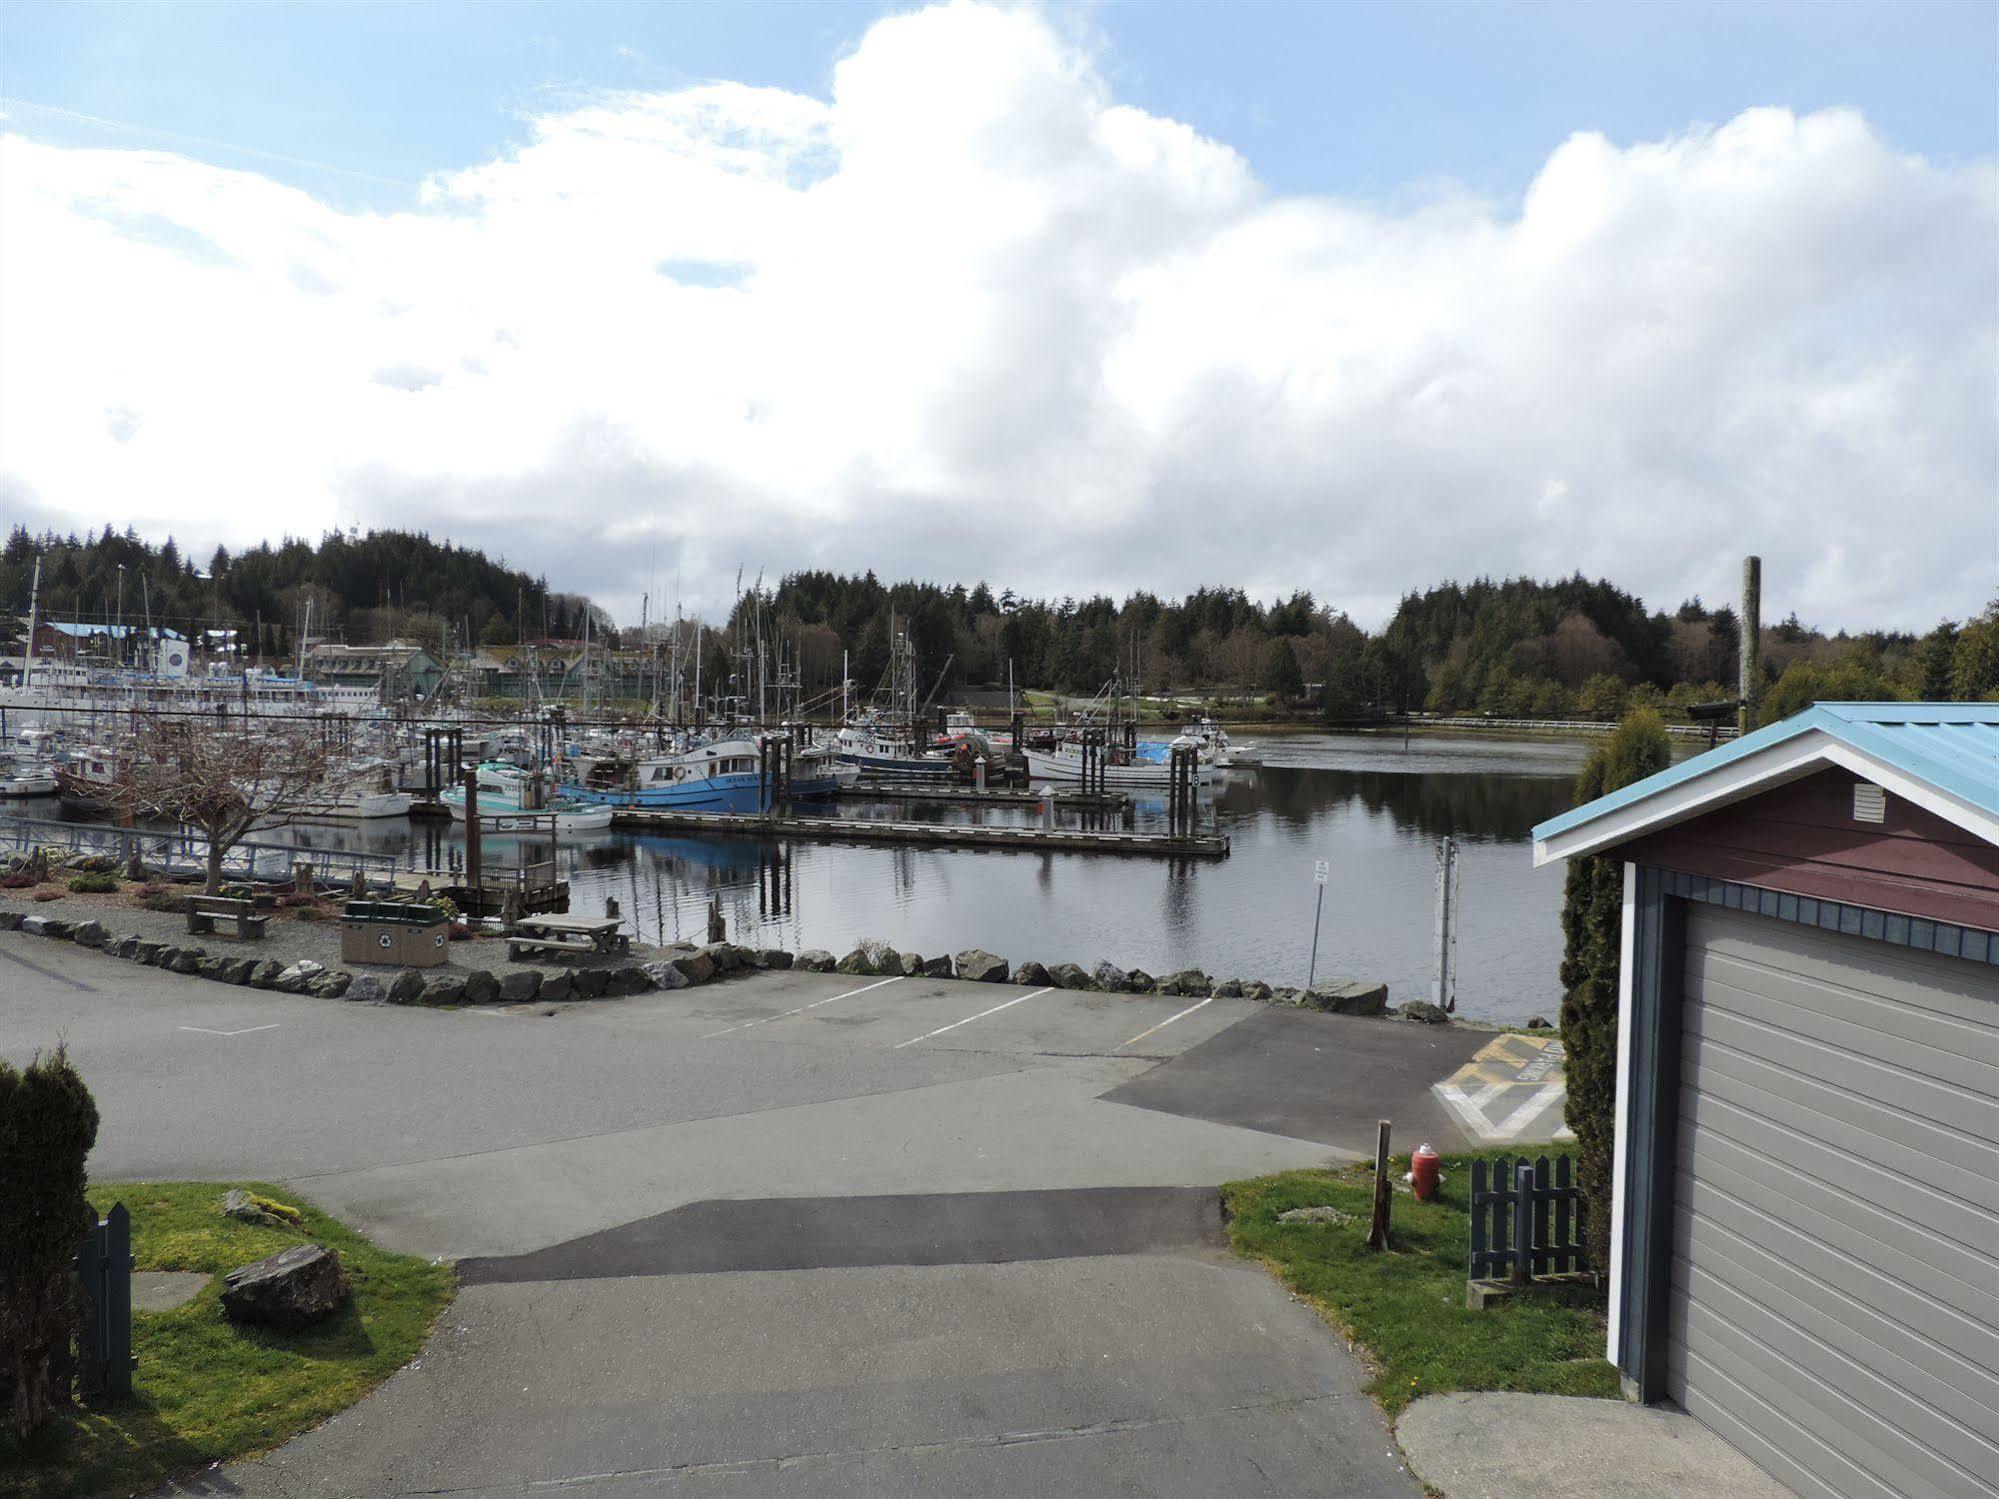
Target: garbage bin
407,934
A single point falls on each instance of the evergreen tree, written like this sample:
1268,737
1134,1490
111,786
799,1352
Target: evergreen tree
1592,928
1281,677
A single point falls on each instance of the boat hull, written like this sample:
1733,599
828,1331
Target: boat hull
1042,766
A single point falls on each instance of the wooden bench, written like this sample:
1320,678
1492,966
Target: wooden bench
567,934
203,911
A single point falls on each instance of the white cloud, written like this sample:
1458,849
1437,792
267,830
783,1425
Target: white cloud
972,317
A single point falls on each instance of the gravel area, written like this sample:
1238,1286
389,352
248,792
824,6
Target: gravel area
288,940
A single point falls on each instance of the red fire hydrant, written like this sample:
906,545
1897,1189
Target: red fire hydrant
1423,1173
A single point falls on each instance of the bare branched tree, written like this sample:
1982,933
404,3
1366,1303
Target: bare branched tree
223,778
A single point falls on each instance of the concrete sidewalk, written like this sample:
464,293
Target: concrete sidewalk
1500,1445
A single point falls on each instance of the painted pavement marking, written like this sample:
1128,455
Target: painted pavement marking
1513,1088
767,1019
205,1031
1164,1023
968,1019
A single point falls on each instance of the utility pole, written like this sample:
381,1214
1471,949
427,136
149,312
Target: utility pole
1751,653
1447,900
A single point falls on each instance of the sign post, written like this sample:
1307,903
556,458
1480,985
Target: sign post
1320,869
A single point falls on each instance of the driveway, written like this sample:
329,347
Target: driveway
789,1234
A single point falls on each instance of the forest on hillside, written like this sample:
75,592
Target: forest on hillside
1512,648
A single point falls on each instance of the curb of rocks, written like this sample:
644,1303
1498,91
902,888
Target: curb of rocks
689,966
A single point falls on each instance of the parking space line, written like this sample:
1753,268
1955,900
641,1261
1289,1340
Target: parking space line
767,1019
968,1020
204,1030
1164,1023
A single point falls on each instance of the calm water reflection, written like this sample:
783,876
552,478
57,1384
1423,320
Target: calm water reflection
1372,809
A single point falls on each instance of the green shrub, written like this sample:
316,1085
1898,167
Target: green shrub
48,1122
1592,932
163,900
92,884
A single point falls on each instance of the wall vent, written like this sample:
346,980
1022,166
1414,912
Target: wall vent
1870,803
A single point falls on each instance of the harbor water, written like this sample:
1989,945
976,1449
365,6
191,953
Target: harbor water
1372,809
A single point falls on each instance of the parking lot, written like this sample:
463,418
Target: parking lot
791,1233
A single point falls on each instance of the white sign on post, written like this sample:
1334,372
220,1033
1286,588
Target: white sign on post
1319,872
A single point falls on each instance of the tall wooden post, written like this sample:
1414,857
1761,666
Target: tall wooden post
472,872
1750,656
1377,1228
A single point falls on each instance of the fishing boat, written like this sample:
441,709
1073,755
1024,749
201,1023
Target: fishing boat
25,777
720,776
366,793
511,800
1121,767
875,750
87,779
1213,740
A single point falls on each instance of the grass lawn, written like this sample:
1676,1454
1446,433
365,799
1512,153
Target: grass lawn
206,1389
1405,1310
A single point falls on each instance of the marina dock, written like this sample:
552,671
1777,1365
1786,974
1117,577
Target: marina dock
993,796
1190,845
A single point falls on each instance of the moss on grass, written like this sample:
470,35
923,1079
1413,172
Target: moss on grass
206,1390
1405,1310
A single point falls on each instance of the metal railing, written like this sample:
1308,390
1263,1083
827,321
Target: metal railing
185,851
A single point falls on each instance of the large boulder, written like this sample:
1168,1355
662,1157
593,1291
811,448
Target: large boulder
858,964
938,967
1032,975
557,987
239,971
1068,976
726,956
366,988
444,989
287,1291
406,988
980,966
188,960
666,975
1539,1023
295,978
211,968
589,983
1189,983
1229,989
265,974
698,967
814,960
773,957
518,985
1284,995
1347,997
912,965
632,978
44,926
247,1207
10,921
1423,1010
481,988
1141,982
121,947
88,934
1256,989
1110,978
329,985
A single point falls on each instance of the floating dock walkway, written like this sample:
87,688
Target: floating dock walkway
993,796
934,834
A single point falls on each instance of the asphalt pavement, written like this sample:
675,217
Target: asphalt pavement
786,1234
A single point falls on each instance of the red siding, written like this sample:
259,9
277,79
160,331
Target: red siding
1802,838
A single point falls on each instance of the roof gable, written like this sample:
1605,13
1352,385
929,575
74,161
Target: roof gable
1944,757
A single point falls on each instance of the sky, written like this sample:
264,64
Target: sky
1069,298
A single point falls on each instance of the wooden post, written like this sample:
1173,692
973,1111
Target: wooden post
1750,655
472,871
1377,1228
1523,1224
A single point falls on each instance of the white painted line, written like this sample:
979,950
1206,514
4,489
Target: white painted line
766,1020
968,1019
1517,1121
1166,1022
205,1031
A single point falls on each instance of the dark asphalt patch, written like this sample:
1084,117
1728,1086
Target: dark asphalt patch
1329,1078
816,1233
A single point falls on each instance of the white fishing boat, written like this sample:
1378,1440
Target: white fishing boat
24,777
367,793
1216,746
1120,768
513,801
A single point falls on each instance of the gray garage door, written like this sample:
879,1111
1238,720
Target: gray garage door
1835,1304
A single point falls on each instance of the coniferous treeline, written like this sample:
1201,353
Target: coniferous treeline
1512,648
362,588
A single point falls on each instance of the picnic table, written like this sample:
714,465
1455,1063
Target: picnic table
581,934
